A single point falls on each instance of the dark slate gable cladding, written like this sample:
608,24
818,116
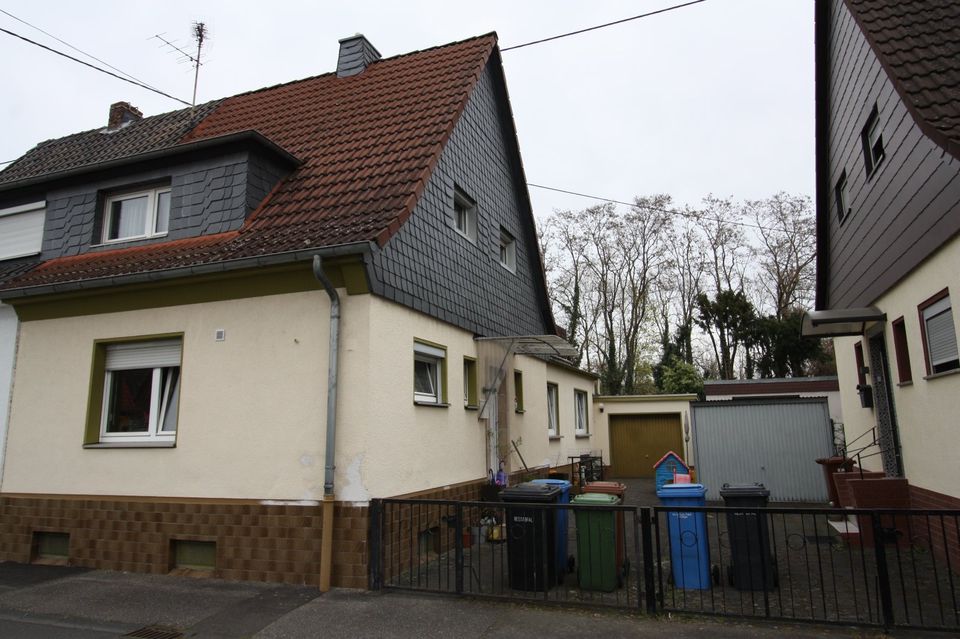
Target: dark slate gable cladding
96,146
902,212
430,267
208,196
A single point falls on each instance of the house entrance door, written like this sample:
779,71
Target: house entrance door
888,436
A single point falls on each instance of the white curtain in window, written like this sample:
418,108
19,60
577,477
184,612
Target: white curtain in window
552,409
132,216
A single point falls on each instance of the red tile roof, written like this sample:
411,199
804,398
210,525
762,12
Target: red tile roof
918,44
368,144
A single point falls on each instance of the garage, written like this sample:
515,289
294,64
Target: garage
639,440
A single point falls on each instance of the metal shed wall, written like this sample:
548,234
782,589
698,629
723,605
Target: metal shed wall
770,441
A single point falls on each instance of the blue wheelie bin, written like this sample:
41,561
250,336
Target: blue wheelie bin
689,547
560,525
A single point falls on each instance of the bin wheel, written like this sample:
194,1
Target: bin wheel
715,574
730,579
619,582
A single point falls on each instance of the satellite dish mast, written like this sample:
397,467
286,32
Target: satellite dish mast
199,34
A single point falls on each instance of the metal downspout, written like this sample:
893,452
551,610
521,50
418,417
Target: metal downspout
326,546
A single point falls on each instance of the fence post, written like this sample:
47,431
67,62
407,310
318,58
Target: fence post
459,547
375,545
883,575
649,583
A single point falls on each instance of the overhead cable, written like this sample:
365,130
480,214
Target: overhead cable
601,26
93,66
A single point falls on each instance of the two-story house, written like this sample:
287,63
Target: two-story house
888,217
251,317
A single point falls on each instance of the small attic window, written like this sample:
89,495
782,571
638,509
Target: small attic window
464,215
135,215
872,140
508,251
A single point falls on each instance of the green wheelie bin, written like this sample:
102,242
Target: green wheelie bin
597,567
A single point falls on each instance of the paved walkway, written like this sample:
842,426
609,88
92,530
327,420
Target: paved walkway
53,603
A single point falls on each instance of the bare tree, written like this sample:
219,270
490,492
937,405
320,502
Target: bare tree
786,252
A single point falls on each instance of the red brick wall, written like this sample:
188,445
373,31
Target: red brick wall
844,492
254,541
941,532
883,493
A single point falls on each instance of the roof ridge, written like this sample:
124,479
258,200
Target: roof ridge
381,60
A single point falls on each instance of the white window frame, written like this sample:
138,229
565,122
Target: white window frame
27,222
943,350
581,415
433,357
157,356
841,197
508,251
151,220
872,138
464,215
553,410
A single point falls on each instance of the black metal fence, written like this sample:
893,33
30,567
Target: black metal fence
865,567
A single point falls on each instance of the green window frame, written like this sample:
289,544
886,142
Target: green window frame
518,391
99,397
470,394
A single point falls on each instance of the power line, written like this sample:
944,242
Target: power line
694,216
92,66
601,26
64,42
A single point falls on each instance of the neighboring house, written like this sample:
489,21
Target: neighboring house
888,216
211,277
827,386
21,234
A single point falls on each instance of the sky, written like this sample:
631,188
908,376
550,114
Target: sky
716,97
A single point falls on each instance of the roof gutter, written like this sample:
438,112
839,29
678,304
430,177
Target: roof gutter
338,250
326,542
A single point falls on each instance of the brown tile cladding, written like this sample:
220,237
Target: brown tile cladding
255,542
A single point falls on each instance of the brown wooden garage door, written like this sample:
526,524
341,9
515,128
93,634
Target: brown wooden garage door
638,441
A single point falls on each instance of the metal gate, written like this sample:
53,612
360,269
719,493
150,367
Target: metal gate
773,441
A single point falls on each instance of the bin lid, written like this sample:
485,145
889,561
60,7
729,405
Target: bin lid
755,489
596,499
609,487
562,483
530,492
681,490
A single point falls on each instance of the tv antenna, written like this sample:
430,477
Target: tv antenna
199,34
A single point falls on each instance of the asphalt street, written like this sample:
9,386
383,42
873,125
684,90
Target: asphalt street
52,602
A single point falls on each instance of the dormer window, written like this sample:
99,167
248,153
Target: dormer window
135,215
872,139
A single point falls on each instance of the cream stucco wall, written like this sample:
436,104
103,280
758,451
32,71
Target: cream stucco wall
8,347
249,422
252,407
926,408
537,448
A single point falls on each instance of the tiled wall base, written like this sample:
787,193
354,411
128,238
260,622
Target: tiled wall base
254,541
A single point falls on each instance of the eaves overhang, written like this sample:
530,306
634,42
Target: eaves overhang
840,322
221,266
250,138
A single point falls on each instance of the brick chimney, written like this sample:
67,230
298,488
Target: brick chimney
356,53
121,113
